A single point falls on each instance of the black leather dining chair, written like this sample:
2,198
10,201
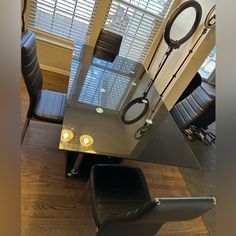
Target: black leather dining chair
194,83
107,46
194,114
122,205
45,105
196,109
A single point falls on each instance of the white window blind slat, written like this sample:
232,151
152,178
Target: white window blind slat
70,19
61,28
57,27
33,15
71,11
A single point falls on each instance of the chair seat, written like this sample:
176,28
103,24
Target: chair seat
188,110
50,106
117,189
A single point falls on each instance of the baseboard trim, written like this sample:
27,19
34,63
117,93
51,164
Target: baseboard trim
55,70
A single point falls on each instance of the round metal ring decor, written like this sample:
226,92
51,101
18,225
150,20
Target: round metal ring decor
173,44
210,20
177,43
138,100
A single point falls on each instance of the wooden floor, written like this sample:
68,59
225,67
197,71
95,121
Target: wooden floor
53,206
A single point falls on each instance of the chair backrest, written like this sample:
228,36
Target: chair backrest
148,220
196,109
107,46
194,83
209,114
30,67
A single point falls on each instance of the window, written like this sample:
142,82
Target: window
208,67
70,19
138,21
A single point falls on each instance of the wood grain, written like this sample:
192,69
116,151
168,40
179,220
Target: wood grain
51,203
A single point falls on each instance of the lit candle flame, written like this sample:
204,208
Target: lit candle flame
86,140
66,135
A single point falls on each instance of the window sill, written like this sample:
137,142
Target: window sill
52,39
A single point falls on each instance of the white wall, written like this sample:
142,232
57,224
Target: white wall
54,57
191,66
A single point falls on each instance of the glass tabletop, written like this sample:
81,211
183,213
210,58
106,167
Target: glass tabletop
97,92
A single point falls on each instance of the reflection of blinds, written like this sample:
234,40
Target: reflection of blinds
70,19
105,84
104,88
138,21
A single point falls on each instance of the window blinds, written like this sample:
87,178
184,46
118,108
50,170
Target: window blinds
70,19
138,21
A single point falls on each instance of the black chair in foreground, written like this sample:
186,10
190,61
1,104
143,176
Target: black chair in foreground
122,205
44,105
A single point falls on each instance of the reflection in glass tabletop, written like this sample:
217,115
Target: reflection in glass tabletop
97,92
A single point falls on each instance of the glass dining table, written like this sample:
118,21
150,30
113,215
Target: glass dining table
92,127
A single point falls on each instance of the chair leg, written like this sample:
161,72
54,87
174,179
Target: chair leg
27,121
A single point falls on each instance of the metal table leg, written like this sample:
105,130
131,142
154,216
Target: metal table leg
76,165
